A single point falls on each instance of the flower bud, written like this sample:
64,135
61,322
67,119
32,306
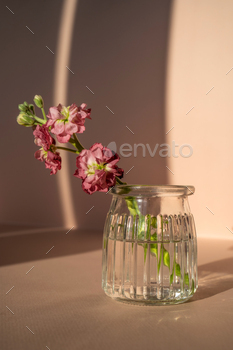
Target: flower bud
39,101
22,108
25,120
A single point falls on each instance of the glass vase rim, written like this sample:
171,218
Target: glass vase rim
139,190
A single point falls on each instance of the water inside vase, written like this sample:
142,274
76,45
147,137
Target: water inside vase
161,270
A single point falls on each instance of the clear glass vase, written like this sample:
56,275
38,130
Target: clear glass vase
150,245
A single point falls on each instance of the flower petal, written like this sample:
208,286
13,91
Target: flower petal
63,137
71,128
54,113
58,127
98,170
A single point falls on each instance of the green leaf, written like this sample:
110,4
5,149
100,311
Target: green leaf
153,237
141,236
133,206
154,222
166,258
171,277
154,249
186,279
177,268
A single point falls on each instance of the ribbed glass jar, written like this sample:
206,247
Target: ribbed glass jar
150,245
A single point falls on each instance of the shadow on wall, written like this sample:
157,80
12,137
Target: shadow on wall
29,194
119,51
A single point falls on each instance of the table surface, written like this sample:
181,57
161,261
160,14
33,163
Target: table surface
59,303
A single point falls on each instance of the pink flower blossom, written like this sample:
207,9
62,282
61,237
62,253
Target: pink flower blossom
97,168
43,138
66,121
47,153
52,160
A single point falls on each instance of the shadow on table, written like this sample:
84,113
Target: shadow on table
214,278
23,247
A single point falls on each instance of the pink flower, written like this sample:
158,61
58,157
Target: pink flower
47,153
97,168
43,138
66,121
52,160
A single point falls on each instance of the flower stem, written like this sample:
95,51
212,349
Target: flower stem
119,182
67,149
76,143
44,115
39,120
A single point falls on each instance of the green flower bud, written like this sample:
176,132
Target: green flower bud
22,107
39,101
25,120
25,108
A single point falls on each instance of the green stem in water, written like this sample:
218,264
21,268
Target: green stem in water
160,258
173,268
67,149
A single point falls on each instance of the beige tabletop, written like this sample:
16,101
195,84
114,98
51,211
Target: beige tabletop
57,302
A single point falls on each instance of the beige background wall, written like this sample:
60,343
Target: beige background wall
200,55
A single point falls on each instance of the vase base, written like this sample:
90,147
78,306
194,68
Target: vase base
150,302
